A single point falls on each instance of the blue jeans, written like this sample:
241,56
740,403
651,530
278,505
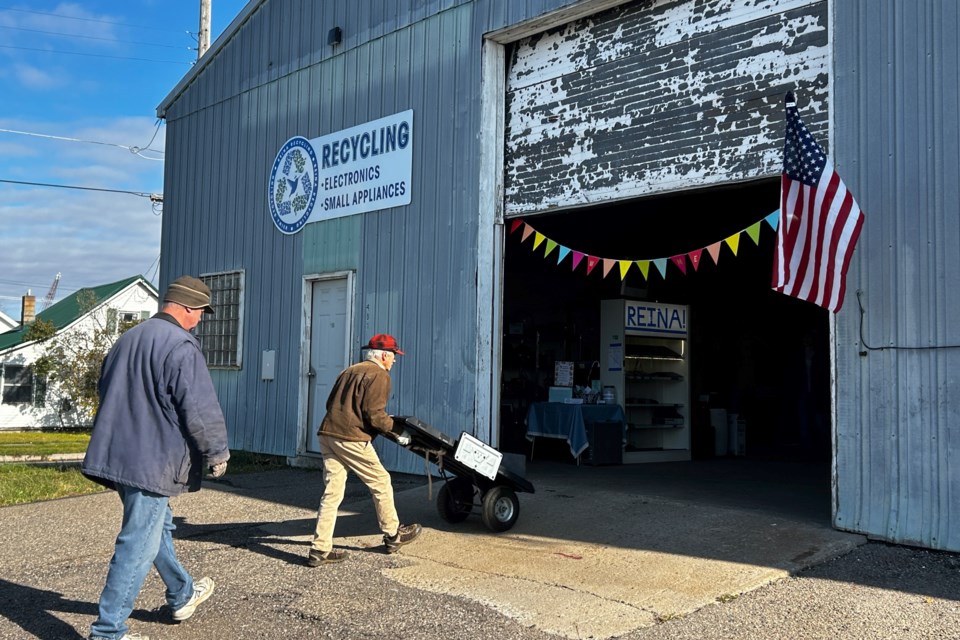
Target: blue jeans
144,539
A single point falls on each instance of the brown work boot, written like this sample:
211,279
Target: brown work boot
406,534
317,558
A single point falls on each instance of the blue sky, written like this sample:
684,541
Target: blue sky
92,71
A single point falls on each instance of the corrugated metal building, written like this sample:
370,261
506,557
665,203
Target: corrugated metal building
627,126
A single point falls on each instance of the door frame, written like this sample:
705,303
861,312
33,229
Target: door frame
306,326
491,234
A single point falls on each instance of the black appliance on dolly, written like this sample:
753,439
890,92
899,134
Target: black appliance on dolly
478,479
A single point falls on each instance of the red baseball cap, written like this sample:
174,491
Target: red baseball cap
384,342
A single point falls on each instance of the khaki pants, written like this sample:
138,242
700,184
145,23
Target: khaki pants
340,456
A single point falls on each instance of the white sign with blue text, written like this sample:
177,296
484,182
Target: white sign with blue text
364,168
655,319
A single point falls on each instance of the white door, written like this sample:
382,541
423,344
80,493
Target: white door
329,321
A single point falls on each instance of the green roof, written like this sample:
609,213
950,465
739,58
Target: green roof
71,308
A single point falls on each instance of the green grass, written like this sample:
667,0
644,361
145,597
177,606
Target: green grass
42,443
246,462
22,483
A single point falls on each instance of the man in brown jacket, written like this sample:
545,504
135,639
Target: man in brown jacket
356,413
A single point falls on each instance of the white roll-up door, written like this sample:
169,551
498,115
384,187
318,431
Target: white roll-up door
660,96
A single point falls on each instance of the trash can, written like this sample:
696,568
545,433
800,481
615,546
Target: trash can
718,420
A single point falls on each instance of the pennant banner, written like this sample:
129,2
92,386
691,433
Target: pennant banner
679,261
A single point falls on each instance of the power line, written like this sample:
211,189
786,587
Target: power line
94,55
155,267
30,285
134,150
154,197
114,40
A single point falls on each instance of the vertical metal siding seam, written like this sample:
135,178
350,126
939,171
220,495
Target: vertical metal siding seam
930,63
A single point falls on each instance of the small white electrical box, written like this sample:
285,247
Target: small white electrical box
267,364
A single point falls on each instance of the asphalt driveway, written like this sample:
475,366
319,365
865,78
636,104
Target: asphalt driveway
596,553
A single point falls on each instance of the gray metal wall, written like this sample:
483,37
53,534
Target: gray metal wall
897,141
271,76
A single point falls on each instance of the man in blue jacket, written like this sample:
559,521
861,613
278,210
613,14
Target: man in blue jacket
158,427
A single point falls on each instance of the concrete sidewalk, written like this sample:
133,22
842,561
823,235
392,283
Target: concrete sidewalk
596,552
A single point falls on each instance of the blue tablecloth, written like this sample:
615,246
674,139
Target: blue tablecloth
569,421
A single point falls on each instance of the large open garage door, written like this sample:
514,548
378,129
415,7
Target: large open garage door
649,132
758,360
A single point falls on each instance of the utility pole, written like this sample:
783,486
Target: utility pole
203,41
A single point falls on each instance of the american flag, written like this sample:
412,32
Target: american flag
819,221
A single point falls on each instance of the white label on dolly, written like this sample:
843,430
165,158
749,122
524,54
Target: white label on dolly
478,456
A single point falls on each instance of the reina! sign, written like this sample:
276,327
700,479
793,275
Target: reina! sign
655,319
364,168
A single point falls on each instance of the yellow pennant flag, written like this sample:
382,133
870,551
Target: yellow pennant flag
537,239
624,267
644,268
734,242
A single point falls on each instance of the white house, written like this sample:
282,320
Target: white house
25,401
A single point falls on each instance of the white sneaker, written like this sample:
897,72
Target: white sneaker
202,589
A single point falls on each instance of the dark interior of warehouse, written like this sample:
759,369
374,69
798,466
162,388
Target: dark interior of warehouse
752,351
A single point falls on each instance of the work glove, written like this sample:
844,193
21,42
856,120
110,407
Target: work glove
403,438
217,470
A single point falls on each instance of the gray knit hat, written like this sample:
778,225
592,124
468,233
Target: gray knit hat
190,292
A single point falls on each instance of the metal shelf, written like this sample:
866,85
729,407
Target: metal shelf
656,426
654,405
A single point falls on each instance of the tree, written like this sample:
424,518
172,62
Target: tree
70,362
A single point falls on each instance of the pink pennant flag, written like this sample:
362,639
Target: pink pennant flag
577,257
681,262
591,263
695,258
527,230
714,251
607,265
515,225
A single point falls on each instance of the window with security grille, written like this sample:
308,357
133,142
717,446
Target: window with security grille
219,333
17,384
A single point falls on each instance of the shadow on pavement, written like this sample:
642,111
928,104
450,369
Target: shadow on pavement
30,608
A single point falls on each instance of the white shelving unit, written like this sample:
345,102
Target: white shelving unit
645,358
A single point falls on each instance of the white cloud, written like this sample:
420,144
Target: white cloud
35,78
90,237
